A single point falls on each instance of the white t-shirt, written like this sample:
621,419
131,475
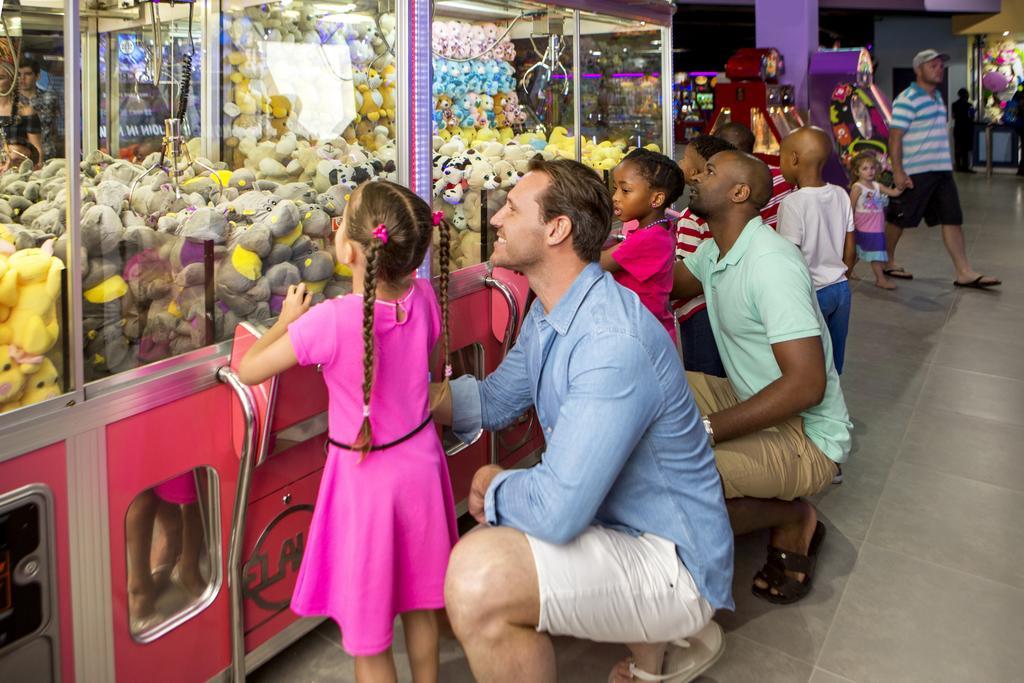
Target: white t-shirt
816,219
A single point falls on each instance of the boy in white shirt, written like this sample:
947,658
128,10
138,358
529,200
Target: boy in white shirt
818,218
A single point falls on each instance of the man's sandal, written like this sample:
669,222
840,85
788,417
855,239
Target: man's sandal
783,589
687,658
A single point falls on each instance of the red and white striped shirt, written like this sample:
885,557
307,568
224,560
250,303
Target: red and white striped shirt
780,188
691,230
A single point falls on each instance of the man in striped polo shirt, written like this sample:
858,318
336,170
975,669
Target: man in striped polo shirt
923,168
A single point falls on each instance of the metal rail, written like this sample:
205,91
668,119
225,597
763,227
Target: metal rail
245,469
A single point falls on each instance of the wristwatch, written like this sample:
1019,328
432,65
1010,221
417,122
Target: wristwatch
709,429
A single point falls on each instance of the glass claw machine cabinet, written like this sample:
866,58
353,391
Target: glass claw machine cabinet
753,97
512,80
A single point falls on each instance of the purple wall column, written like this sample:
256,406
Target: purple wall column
791,26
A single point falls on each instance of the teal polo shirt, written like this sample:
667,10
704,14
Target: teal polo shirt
761,294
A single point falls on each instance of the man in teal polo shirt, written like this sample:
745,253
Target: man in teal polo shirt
778,424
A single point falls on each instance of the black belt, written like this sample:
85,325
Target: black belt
384,446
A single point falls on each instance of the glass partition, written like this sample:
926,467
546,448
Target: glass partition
621,86
34,304
186,234
173,552
503,92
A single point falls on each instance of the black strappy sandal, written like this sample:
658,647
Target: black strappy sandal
786,589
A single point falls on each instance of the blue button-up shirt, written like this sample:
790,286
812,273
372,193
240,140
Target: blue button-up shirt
626,448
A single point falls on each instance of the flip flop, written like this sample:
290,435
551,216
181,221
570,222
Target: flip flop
977,283
898,273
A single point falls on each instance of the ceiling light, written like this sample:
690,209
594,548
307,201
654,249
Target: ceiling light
1005,33
475,8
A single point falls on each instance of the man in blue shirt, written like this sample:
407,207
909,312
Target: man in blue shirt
620,534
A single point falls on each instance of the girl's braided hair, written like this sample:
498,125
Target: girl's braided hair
409,226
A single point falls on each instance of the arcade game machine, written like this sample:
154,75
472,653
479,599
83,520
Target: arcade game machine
153,509
753,97
694,93
846,102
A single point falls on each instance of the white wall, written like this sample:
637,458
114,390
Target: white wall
898,39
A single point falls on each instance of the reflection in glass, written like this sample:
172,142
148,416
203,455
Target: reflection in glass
32,207
173,554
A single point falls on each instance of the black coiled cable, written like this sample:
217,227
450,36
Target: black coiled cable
185,87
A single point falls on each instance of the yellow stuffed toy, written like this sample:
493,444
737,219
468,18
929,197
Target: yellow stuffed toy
29,288
12,379
41,385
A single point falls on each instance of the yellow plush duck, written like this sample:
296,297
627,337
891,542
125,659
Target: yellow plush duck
12,379
29,288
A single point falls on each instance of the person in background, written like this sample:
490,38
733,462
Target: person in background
869,199
741,137
923,168
700,353
963,132
646,183
44,104
818,218
19,125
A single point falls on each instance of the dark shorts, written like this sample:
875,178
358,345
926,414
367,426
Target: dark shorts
933,198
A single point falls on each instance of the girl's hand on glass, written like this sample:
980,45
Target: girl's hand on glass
296,302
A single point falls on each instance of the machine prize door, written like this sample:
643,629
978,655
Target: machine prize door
28,621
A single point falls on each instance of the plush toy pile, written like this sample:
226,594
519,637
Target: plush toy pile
474,80
472,161
146,254
30,284
259,113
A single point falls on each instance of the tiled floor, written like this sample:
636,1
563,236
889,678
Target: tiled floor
922,574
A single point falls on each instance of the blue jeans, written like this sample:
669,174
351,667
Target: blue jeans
834,302
700,353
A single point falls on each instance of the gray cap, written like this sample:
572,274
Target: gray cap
927,56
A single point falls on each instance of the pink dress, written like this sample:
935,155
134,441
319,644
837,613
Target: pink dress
382,528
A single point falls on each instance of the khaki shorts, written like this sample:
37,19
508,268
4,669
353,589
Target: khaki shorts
779,462
610,587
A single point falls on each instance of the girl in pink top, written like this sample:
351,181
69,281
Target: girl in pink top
384,522
646,184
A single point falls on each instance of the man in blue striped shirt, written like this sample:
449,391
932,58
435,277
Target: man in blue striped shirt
923,168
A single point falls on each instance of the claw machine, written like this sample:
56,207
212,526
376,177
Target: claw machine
152,508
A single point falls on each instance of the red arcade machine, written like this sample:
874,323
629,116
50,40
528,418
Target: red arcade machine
752,96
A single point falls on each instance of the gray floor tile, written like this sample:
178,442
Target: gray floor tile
888,378
822,676
952,521
850,506
984,450
977,353
799,629
987,314
971,393
746,661
907,620
313,659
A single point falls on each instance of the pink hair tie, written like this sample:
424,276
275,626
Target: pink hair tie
381,233
437,216
366,410
448,370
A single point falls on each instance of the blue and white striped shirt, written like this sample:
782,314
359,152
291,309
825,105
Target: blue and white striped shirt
926,140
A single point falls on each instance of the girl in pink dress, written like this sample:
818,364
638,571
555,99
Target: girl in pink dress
384,522
869,198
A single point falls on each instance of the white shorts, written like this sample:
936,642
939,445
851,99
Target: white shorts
610,587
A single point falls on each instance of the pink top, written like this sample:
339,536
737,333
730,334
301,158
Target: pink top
331,335
383,525
647,257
